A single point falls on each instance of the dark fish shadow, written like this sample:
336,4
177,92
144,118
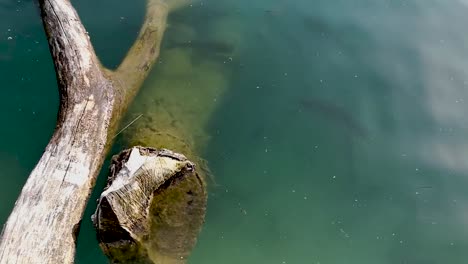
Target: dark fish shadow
5,58
206,47
335,114
345,36
346,122
314,24
200,14
202,50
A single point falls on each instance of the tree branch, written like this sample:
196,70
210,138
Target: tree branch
142,55
46,217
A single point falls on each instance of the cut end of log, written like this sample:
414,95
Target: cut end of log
152,209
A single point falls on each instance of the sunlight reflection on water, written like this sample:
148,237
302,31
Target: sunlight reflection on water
339,136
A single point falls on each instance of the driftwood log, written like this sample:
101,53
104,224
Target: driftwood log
44,223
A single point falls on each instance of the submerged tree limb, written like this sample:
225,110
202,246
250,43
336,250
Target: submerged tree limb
46,218
135,66
140,217
174,108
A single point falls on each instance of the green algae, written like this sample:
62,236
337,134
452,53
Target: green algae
177,102
173,109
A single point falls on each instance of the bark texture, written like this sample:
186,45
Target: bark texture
152,209
46,217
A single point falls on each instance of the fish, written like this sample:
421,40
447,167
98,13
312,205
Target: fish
335,114
5,57
216,47
202,14
317,25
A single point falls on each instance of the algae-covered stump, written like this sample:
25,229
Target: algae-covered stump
152,208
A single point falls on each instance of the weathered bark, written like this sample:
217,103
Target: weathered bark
46,217
152,209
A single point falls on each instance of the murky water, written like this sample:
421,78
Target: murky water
338,134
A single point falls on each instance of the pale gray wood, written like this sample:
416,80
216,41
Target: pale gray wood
43,225
46,216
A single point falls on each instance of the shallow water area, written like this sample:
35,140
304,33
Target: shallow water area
335,130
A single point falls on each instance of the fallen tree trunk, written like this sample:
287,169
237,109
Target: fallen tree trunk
149,215
45,220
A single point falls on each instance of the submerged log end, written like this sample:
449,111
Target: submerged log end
152,209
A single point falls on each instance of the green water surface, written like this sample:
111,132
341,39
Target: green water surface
341,137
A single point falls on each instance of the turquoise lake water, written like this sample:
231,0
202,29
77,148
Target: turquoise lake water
341,136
